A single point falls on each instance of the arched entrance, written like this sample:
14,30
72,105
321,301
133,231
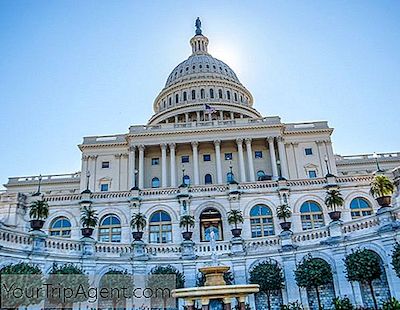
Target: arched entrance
210,220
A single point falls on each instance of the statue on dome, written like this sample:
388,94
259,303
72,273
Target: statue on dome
198,26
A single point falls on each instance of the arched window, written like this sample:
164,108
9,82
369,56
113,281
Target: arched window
184,96
169,101
160,227
186,180
110,229
235,96
230,177
360,207
261,221
311,215
61,227
210,220
176,98
260,175
155,182
228,95
208,179
202,93
193,94
220,93
164,104
212,93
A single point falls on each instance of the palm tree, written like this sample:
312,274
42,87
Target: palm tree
187,221
138,222
382,189
334,199
283,212
235,217
89,220
39,211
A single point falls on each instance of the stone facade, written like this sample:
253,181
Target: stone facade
206,132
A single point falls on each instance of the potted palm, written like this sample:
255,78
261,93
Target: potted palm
39,211
138,222
89,221
334,199
283,212
186,222
382,189
234,218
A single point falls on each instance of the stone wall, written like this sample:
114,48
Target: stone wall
326,293
262,301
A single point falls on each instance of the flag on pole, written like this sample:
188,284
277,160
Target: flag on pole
208,108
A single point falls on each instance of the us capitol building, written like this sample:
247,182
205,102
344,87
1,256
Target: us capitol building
206,151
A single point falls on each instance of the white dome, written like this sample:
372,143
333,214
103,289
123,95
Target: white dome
201,66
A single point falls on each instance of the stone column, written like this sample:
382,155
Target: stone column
93,172
331,157
282,158
292,290
141,166
227,303
341,283
131,166
273,157
173,169
217,144
205,303
85,168
242,303
239,142
118,158
195,162
163,165
250,160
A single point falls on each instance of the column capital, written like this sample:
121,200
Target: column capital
270,139
217,142
239,141
125,155
195,143
248,140
117,155
280,139
163,146
93,156
141,147
85,157
132,148
172,145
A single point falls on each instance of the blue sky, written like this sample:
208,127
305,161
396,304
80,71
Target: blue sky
70,69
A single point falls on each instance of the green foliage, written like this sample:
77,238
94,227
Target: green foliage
269,276
362,266
119,284
228,278
342,303
39,210
396,259
89,217
67,277
187,221
334,199
313,272
391,304
235,217
25,276
381,186
138,221
283,212
166,270
292,306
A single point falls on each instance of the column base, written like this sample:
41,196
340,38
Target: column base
386,220
188,250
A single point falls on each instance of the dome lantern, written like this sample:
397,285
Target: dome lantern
199,42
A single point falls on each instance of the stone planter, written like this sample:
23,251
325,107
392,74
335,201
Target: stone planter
137,235
384,201
236,232
187,235
335,215
87,232
36,224
286,226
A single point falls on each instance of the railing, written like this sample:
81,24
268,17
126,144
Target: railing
46,178
162,249
113,248
311,235
262,244
221,247
63,245
368,157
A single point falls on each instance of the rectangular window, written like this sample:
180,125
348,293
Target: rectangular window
105,164
228,156
155,161
258,154
206,157
185,159
104,187
308,151
312,174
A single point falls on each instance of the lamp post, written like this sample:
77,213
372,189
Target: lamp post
87,179
278,163
328,173
183,174
378,168
39,184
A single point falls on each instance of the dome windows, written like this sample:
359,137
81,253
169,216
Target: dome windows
220,93
202,93
228,95
193,94
211,93
176,98
236,97
184,96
